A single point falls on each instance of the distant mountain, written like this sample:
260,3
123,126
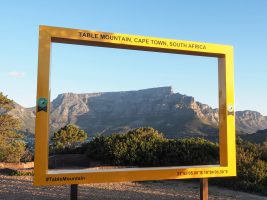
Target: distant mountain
174,114
258,137
26,117
250,121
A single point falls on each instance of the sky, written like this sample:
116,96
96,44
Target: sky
82,69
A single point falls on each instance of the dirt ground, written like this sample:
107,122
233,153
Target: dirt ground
21,188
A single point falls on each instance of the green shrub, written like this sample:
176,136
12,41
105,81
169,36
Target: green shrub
67,139
22,173
28,156
11,151
148,147
12,146
189,151
137,148
251,169
14,172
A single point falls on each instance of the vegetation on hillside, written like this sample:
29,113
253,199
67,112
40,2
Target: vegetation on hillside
146,147
67,138
140,147
258,137
251,168
12,146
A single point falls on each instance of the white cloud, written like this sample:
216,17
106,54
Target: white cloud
16,74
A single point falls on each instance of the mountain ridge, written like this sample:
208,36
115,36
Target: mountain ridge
172,113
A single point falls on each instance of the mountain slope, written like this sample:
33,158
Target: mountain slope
250,121
105,113
26,116
175,114
258,137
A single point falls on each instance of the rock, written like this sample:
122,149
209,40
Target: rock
174,114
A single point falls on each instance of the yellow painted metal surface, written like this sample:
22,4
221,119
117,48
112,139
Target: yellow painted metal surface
224,53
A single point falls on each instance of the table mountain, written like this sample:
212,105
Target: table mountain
105,113
174,114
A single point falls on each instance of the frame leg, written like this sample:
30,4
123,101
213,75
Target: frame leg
74,192
204,189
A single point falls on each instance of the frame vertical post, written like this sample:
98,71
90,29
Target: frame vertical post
42,116
74,192
204,189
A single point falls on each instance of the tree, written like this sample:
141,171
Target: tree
12,147
68,137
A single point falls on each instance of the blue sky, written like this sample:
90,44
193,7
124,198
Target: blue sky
91,69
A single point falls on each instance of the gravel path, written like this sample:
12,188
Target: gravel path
13,188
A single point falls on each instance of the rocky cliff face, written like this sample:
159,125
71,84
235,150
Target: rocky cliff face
119,111
26,116
250,121
161,108
174,114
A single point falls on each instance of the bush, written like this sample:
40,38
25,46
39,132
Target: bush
14,172
75,150
66,139
251,169
11,151
189,151
148,147
28,156
12,145
137,147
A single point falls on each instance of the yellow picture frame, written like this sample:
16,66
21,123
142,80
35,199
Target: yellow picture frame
224,53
